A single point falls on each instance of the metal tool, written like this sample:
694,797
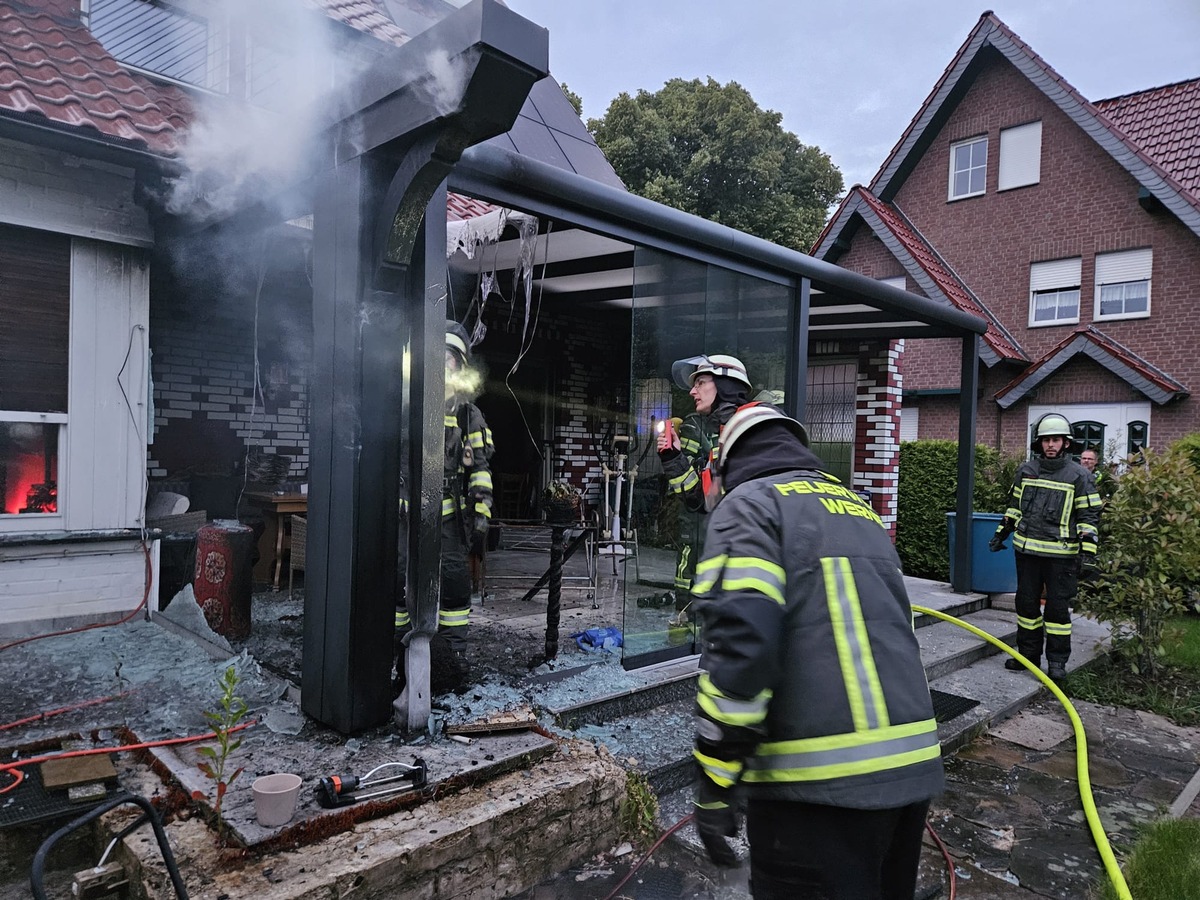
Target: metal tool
339,790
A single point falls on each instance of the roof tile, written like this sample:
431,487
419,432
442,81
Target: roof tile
1165,123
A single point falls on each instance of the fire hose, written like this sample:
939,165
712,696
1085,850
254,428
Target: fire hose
1111,868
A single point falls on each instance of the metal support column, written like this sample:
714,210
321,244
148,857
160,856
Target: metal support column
967,400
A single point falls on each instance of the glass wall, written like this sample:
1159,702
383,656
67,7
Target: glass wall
684,308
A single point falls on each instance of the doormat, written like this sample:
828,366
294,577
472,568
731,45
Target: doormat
30,802
950,706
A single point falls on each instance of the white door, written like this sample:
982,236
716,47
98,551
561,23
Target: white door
1114,426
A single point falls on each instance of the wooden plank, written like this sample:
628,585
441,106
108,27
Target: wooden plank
65,773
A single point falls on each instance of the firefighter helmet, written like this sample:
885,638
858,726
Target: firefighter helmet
458,340
1051,425
684,371
747,418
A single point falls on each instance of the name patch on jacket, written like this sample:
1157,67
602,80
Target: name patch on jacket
840,500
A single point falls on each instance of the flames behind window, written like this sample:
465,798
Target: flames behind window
28,468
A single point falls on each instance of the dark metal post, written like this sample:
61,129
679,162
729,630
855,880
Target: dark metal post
795,400
554,600
969,379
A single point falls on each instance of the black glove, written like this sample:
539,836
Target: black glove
716,820
996,544
1089,572
479,532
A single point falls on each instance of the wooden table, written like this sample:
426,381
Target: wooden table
277,509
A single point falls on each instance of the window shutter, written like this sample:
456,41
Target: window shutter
35,305
1020,155
1058,273
910,418
1128,265
898,281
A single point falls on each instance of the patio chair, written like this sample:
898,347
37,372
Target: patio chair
299,545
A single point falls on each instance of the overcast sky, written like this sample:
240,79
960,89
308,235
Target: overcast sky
849,75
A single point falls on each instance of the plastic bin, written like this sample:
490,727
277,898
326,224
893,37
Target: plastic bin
991,573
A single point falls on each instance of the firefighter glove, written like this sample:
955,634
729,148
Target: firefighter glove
1089,572
996,544
716,821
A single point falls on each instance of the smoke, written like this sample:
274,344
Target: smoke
463,384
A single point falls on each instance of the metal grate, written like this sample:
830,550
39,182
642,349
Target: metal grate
30,802
950,706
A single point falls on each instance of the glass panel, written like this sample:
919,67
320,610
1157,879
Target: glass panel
28,468
152,37
831,397
1050,306
1087,436
1124,298
684,308
1139,437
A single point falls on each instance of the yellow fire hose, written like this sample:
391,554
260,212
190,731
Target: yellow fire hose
1081,765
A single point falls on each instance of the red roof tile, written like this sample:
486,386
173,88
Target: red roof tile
51,68
460,206
946,280
1165,123
368,16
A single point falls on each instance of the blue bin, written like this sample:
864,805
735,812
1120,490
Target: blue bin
991,573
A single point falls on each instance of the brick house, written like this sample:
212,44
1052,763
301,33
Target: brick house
1072,226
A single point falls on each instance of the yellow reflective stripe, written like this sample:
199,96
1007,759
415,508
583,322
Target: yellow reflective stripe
1088,531
1012,513
454,618
475,438
1087,501
690,446
724,772
451,421
685,482
859,675
1050,548
1058,628
844,755
752,574
480,478
1031,624
725,709
706,574
482,509
401,618
447,506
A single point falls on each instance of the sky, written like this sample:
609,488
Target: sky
849,75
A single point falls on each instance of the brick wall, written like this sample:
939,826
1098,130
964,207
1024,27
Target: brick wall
1084,204
44,587
877,428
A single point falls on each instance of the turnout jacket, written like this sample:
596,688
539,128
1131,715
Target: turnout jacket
812,687
467,482
1054,508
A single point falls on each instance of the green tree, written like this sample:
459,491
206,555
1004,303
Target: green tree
708,149
575,100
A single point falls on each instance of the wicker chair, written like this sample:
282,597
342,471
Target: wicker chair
299,546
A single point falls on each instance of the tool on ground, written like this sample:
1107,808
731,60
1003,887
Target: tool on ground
342,790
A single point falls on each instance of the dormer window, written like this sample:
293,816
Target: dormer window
968,168
162,39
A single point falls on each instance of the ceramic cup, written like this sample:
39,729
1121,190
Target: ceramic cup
275,798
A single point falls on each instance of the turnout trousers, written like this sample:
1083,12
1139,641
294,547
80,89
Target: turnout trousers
1057,576
807,851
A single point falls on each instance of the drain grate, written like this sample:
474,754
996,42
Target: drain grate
30,802
950,706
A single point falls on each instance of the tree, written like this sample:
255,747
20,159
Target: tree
708,149
575,100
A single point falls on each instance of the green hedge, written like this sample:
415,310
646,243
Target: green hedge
928,484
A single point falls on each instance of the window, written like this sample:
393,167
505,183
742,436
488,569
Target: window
1054,292
1123,284
896,281
910,423
1020,156
832,389
160,38
1087,436
968,168
35,300
1138,438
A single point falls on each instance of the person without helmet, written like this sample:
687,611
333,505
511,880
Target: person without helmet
718,385
812,702
1054,510
466,511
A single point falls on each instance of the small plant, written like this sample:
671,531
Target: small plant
638,811
224,722
561,492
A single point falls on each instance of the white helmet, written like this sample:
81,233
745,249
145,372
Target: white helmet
684,371
746,419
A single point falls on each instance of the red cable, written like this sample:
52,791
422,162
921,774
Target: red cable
666,834
121,621
14,768
945,853
62,709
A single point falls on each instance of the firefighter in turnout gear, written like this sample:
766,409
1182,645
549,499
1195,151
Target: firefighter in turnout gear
466,512
812,703
1053,514
718,385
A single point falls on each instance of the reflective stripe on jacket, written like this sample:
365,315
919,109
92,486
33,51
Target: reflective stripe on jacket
810,663
468,488
1056,508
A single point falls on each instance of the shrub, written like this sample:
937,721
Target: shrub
1149,554
1189,446
928,489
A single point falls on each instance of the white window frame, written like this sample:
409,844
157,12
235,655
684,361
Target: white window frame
896,281
1058,276
16,521
970,169
1020,156
1122,269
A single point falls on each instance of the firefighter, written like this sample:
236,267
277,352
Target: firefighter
812,702
466,512
1054,509
718,385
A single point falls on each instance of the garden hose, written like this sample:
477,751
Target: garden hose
1081,765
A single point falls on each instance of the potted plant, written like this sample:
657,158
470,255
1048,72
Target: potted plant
560,503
